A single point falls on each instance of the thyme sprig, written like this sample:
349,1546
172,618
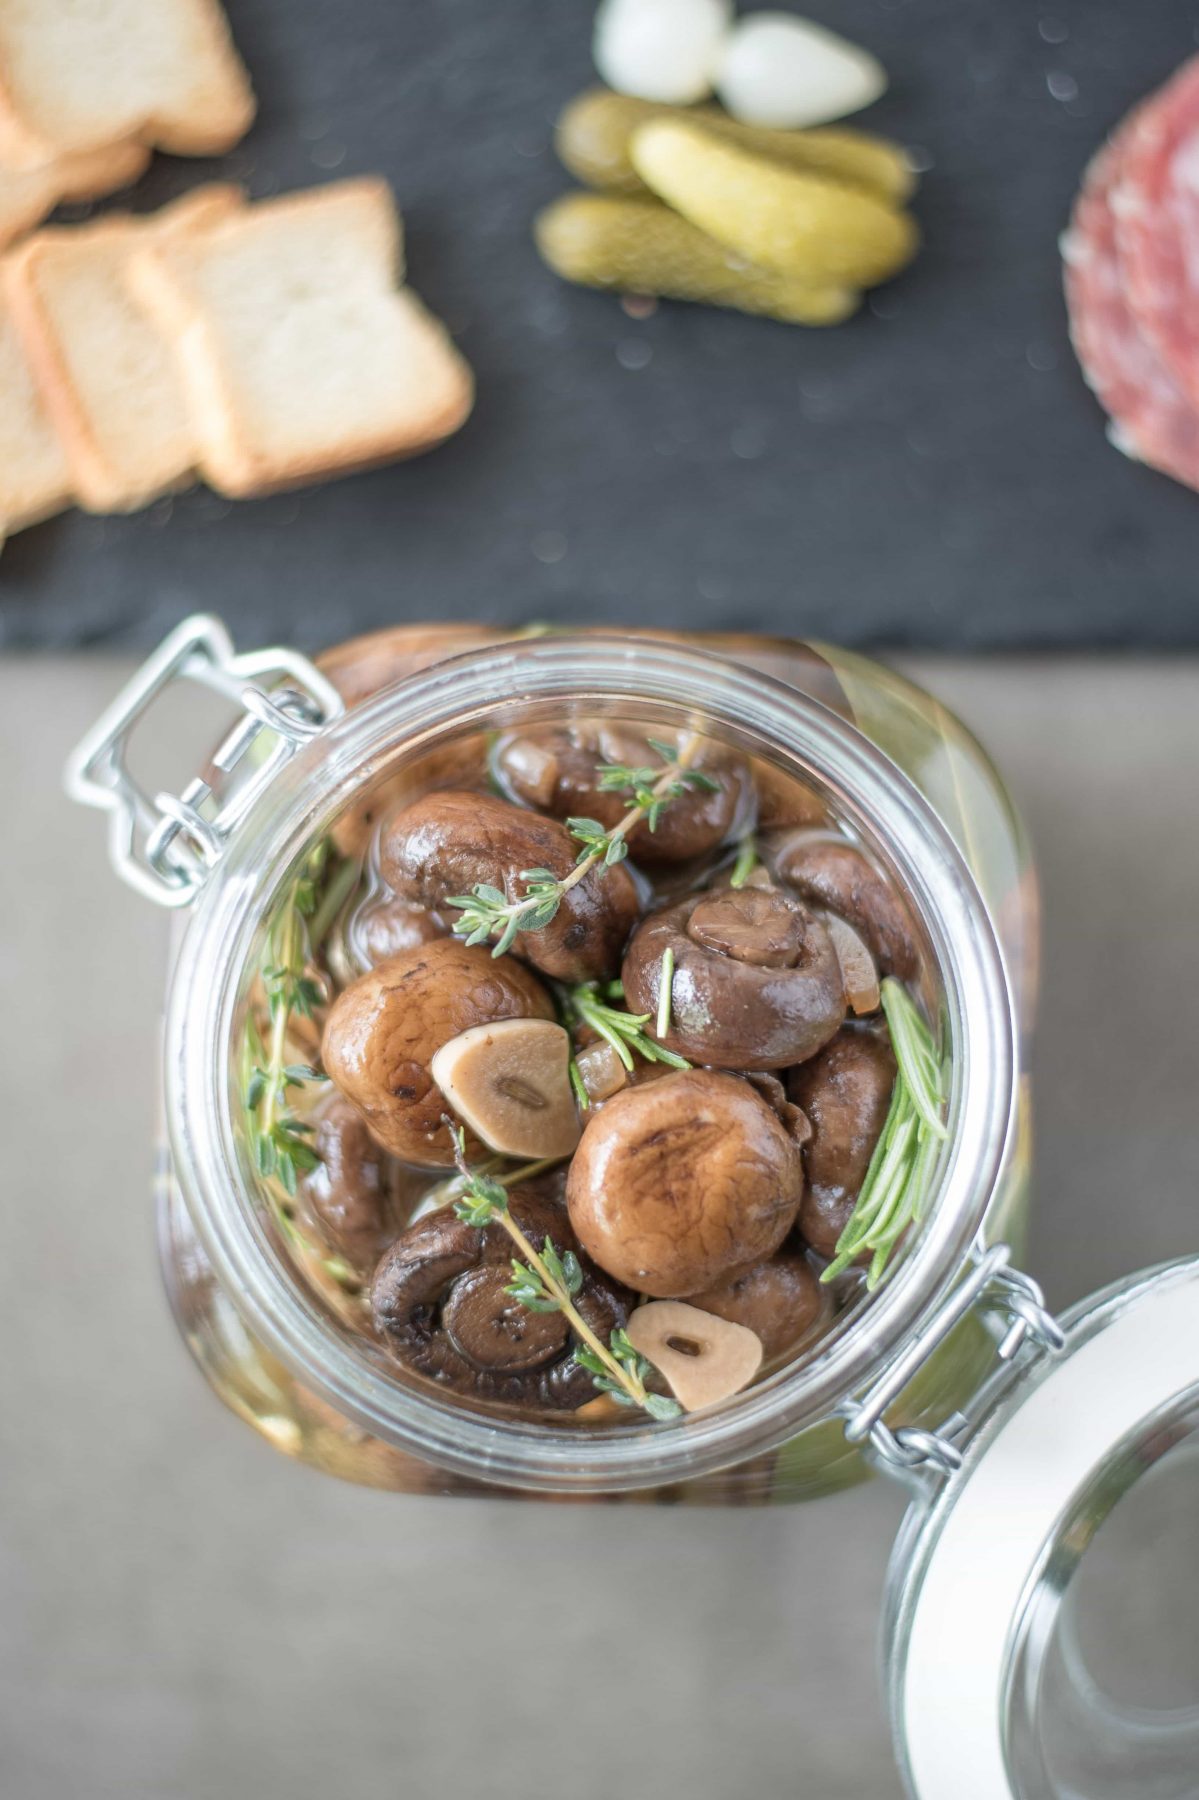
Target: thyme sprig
895,1192
280,1139
488,913
547,1282
291,992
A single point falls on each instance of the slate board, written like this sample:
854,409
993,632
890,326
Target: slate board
933,473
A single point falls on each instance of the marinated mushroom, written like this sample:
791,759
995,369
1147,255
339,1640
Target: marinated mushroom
683,1182
830,872
557,770
459,764
351,1189
755,985
439,1301
385,927
793,1118
780,1300
363,665
384,1030
447,843
785,802
845,1091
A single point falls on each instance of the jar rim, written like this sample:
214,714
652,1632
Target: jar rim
473,691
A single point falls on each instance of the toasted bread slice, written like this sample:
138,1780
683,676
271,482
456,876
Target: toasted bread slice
27,195
78,74
34,478
300,358
106,376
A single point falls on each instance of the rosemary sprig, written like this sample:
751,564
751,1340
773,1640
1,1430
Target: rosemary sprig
546,1282
895,1191
745,864
665,987
487,912
625,1031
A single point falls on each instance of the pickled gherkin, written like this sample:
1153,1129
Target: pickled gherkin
641,247
808,227
593,137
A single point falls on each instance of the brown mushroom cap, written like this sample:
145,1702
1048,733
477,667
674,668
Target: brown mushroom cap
386,927
780,1300
384,1029
832,873
447,843
784,801
684,1182
350,1190
438,1299
846,1092
756,984
461,763
363,665
556,770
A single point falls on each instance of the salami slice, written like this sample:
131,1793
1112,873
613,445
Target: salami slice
1152,417
1156,203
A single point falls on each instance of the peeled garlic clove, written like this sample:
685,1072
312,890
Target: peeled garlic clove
704,1358
858,970
660,49
775,69
510,1083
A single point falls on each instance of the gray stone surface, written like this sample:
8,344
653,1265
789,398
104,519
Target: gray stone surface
187,1616
933,472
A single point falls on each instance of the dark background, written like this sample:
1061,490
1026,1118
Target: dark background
935,472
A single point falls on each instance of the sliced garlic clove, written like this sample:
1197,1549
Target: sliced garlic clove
858,969
705,1359
510,1083
775,69
660,49
603,1074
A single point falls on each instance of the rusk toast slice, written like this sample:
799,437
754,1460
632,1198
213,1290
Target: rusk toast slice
107,377
27,195
78,74
300,357
34,478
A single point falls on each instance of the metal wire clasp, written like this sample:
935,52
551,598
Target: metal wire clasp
992,1286
166,845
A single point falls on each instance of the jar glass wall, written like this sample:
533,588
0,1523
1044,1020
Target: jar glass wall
280,1355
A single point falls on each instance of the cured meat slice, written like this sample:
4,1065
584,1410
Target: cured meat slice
1156,203
1152,417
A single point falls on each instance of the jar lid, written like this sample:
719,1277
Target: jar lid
1043,1630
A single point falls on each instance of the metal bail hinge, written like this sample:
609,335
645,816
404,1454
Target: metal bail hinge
166,845
993,1287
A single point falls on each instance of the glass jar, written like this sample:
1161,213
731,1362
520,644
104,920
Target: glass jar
1024,1440
896,770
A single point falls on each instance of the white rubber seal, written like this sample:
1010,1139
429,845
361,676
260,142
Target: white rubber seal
1007,1511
